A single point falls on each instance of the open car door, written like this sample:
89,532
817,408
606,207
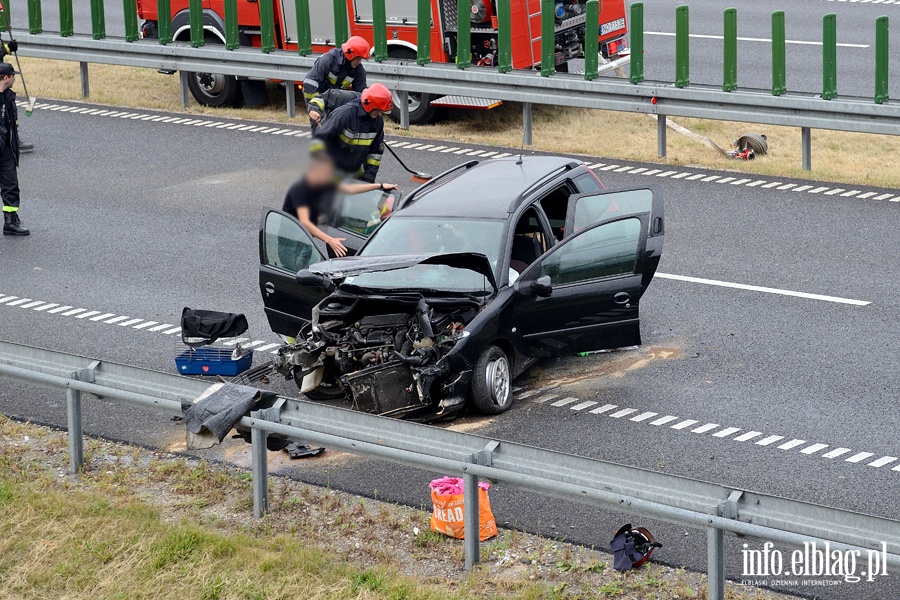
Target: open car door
583,294
285,248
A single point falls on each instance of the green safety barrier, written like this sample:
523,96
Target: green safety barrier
423,25
267,26
829,56
164,21
464,34
131,21
779,62
341,22
504,38
591,39
66,18
304,33
3,20
232,35
35,20
98,20
637,42
379,26
548,37
729,75
682,47
882,71
195,7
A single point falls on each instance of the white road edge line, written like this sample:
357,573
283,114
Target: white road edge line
767,290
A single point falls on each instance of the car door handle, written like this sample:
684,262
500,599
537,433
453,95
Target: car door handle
270,288
622,298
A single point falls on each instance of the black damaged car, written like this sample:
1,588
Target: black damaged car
478,274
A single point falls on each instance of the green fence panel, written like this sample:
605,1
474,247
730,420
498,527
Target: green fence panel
682,47
66,18
637,42
729,75
3,19
591,42
35,20
131,21
195,7
423,35
164,21
341,24
548,37
379,28
98,20
829,56
304,28
504,38
882,70
779,62
464,34
232,34
267,26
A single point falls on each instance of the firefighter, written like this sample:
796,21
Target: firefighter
353,135
11,47
324,104
9,153
338,68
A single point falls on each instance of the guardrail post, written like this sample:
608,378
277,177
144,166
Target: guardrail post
85,80
75,431
164,21
716,547
471,524
195,8
882,58
131,21
423,32
304,32
232,36
98,20
379,29
829,56
290,98
682,47
637,42
591,41
267,27
404,109
548,37
463,34
260,467
185,90
66,22
779,59
341,24
35,20
806,148
504,38
527,120
729,76
661,136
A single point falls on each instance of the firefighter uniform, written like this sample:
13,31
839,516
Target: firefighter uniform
327,103
353,139
9,155
333,70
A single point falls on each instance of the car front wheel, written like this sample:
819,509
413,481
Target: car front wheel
492,382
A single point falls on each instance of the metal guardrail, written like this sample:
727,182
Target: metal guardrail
692,503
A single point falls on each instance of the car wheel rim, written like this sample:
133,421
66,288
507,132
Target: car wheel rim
211,83
415,101
498,381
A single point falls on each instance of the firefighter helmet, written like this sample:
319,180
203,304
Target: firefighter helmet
356,47
377,97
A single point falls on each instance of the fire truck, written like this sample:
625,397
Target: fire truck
221,90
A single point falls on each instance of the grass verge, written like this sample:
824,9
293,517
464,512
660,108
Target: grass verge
854,159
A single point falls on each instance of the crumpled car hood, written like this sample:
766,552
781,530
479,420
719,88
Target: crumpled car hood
351,266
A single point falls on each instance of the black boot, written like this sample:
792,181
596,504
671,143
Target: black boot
12,225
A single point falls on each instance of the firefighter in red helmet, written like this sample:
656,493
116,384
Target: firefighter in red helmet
339,68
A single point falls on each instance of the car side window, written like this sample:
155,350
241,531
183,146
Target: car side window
588,184
593,209
609,250
555,204
287,245
362,213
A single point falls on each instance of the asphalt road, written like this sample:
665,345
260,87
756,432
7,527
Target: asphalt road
856,37
137,218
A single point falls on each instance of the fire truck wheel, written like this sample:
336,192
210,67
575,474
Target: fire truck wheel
420,109
211,89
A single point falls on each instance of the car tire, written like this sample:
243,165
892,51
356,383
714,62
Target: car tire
492,382
420,109
211,89
329,389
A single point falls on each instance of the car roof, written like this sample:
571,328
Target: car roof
489,190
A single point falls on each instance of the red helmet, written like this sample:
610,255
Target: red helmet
377,97
356,47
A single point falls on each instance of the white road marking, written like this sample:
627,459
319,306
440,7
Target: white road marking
564,402
884,460
726,432
725,180
87,314
663,420
705,428
160,327
145,324
651,172
583,405
791,444
235,341
19,301
756,183
130,322
767,290
834,192
603,409
818,190
118,319
73,312
836,452
769,440
745,437
621,413
884,197
859,456
528,394
643,417
5,299
58,310
544,399
740,182
102,316
610,167
813,449
44,307
267,347
685,424
666,173
802,188
680,175
703,36
31,304
173,330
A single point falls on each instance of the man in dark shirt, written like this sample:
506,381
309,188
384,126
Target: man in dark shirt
9,153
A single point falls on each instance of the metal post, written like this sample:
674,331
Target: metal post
85,81
404,109
341,23
729,76
185,90
423,32
682,47
76,433
290,97
304,33
637,42
806,144
661,136
504,38
164,21
779,63
98,20
66,23
882,60
591,41
232,35
195,8
267,27
548,37
131,21
471,525
260,468
35,20
464,34
527,121
829,56
715,542
379,30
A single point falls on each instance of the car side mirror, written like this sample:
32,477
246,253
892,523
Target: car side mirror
542,286
309,279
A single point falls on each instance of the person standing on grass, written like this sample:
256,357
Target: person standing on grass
9,152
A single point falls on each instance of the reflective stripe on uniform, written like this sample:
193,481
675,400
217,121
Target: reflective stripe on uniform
374,160
10,209
318,103
355,138
316,145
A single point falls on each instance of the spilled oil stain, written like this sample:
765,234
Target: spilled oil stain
596,366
